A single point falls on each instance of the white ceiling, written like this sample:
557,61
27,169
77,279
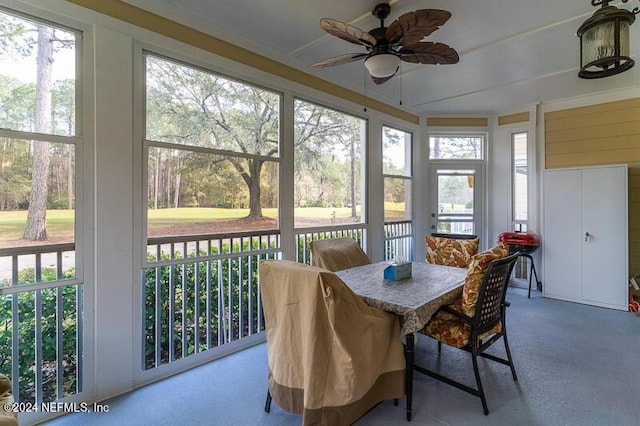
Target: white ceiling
513,53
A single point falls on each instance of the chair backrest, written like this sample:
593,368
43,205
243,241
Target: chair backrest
450,251
492,293
326,347
336,254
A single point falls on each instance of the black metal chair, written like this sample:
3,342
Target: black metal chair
451,326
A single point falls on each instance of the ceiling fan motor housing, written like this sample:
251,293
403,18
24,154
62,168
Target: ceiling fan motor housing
381,11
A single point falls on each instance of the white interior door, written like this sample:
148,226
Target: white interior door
604,228
562,245
456,200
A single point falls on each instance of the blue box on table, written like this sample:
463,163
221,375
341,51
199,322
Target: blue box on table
397,271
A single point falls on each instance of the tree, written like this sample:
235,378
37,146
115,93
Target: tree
192,107
444,147
323,139
17,40
196,108
36,227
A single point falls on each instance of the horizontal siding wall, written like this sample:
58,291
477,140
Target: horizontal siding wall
595,135
457,122
521,117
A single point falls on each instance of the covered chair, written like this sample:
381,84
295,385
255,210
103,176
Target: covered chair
336,254
477,320
452,250
7,417
331,357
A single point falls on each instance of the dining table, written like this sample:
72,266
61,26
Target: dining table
414,299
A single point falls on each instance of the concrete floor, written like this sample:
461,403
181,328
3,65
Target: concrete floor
576,365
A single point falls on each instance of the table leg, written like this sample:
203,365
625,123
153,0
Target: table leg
408,353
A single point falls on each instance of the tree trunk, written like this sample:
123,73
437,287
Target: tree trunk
70,179
352,183
156,181
252,179
37,215
168,184
255,205
176,193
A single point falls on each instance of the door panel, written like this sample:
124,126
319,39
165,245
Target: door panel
456,199
604,219
562,244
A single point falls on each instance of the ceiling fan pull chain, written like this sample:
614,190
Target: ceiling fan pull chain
365,90
401,83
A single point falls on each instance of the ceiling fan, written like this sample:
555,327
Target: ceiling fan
387,46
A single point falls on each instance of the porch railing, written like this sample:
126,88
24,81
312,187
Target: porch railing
305,235
41,312
198,292
201,291
398,240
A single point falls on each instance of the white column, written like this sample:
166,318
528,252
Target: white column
420,191
114,275
375,191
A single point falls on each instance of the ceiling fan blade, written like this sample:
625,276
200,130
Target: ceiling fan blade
347,32
429,52
338,60
379,80
412,27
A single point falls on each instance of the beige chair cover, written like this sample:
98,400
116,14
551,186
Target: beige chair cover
331,356
336,254
7,417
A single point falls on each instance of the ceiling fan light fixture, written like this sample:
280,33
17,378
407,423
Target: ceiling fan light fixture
387,46
604,41
382,65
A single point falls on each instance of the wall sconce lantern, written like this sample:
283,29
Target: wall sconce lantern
604,41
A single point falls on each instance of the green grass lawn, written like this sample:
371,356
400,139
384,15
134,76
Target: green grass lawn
200,214
60,222
12,223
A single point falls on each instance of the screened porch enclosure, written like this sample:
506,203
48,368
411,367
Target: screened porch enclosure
209,175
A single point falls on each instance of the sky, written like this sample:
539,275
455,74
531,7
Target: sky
23,68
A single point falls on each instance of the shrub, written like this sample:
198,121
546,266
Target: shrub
47,301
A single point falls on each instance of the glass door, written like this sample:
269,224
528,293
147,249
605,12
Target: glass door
456,199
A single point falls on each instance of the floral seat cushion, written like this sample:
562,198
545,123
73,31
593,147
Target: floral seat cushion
450,251
475,274
451,330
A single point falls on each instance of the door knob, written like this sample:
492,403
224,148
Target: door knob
587,237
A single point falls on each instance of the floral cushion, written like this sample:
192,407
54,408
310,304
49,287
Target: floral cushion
451,330
450,251
477,269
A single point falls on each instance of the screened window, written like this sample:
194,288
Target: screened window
41,349
37,171
456,147
520,180
329,169
396,167
212,152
